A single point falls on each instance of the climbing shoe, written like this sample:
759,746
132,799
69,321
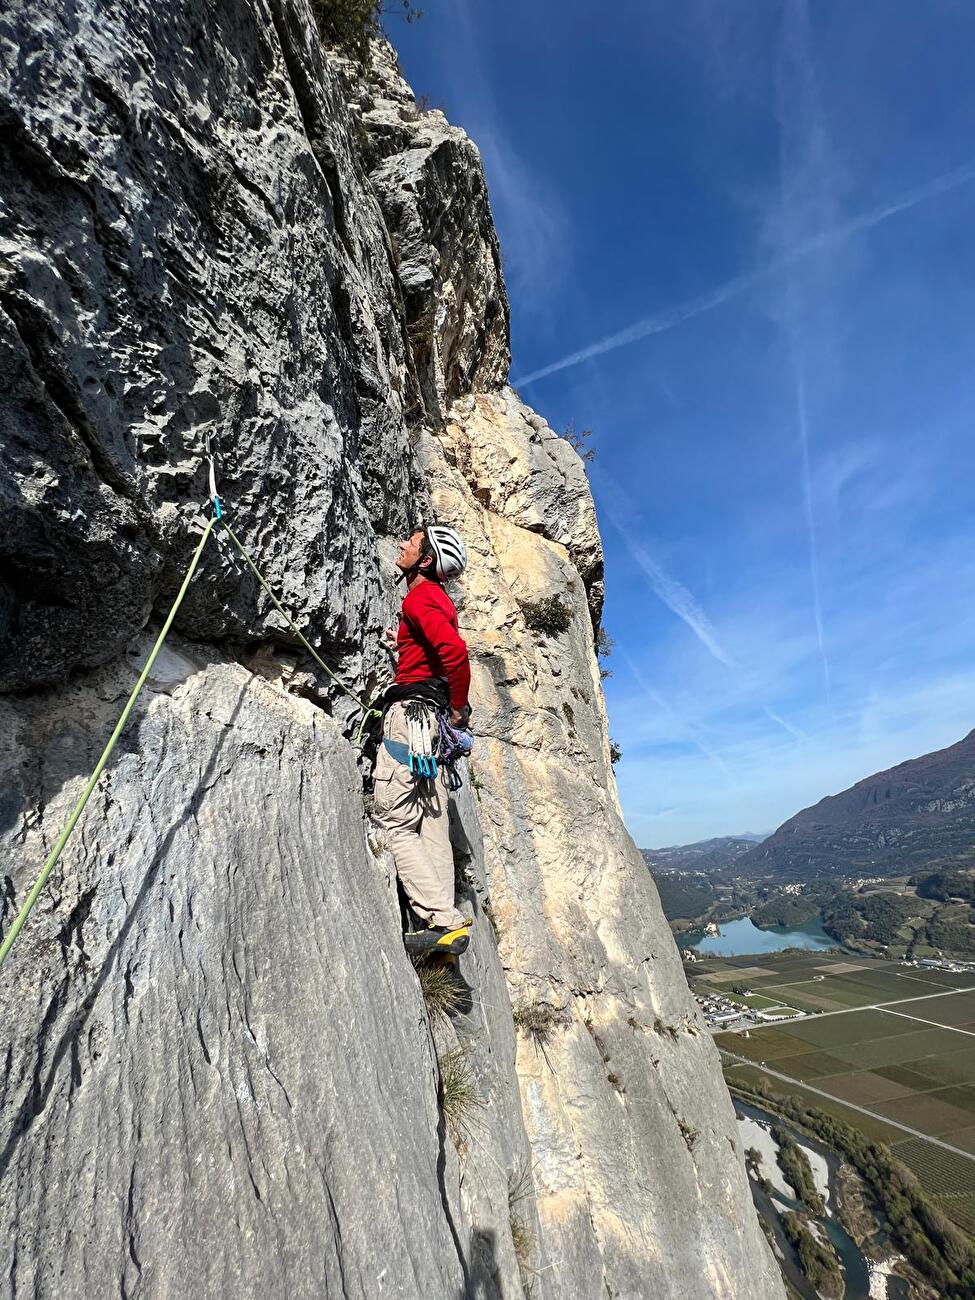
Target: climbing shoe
438,938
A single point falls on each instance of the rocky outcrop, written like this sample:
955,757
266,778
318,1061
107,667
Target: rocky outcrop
219,1075
191,250
428,179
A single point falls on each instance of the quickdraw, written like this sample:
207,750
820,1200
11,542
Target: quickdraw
432,743
421,759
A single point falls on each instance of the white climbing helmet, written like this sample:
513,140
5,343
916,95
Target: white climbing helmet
449,552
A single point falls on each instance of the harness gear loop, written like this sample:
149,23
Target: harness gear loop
421,756
433,744
39,883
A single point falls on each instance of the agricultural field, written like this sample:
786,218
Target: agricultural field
903,1075
827,982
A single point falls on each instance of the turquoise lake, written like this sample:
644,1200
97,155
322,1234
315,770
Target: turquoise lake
740,938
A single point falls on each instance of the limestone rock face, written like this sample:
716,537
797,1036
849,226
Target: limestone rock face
213,999
517,468
428,178
190,249
220,1076
629,1122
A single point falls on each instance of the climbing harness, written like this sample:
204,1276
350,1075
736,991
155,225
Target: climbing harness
432,744
217,517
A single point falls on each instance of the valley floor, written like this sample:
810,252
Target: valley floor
887,1047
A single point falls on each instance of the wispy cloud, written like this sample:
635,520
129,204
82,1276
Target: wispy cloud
668,319
625,518
532,221
678,600
774,781
533,224
810,514
684,726
794,732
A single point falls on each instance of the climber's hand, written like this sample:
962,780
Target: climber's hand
460,717
389,639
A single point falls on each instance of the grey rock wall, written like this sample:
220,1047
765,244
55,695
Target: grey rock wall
215,1049
190,248
219,1075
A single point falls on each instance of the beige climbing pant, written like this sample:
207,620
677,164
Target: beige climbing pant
413,812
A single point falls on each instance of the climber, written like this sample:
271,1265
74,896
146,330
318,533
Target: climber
431,684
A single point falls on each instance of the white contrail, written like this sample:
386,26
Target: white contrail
673,593
678,599
688,727
794,732
808,188
668,319
642,329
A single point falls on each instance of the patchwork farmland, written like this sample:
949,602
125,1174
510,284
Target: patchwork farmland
888,1048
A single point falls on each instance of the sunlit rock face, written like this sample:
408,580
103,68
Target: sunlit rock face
220,1076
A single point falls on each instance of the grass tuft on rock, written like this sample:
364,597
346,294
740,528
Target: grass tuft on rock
442,993
661,1028
522,1234
459,1098
538,1020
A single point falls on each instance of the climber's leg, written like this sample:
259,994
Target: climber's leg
413,812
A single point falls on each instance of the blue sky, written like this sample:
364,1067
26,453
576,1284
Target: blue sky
739,241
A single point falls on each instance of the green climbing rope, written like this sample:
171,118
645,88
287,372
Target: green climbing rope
368,711
76,812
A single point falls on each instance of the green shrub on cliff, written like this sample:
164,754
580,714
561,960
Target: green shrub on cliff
550,615
350,25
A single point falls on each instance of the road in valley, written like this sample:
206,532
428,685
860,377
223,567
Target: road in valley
846,1011
841,1101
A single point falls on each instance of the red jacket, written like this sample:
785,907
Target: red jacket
429,644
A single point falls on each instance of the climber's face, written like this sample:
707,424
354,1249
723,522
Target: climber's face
409,551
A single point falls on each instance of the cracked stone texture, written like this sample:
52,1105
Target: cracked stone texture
189,248
220,1077
430,185
639,1178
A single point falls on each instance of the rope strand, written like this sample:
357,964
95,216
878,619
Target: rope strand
367,709
106,754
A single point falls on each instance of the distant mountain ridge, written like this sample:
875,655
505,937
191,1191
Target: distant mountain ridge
917,815
704,855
